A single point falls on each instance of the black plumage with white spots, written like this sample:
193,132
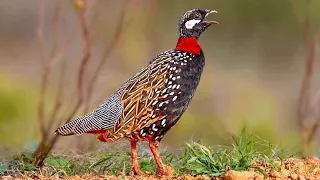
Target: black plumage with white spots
181,82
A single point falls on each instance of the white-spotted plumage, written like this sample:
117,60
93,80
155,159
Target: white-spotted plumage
161,104
163,122
154,127
155,102
174,98
172,84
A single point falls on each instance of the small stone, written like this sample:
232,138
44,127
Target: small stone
294,176
316,172
238,175
301,177
285,172
275,174
7,177
201,177
187,177
258,176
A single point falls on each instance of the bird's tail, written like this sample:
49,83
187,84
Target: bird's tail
84,124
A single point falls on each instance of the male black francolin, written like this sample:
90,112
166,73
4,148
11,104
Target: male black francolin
152,101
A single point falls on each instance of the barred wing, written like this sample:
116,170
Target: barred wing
142,98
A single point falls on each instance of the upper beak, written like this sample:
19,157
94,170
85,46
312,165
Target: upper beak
208,11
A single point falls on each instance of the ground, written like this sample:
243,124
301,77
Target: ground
292,168
247,157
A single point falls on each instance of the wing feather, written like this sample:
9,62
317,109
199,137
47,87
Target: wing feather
140,97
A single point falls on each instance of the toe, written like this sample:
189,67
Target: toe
136,171
166,171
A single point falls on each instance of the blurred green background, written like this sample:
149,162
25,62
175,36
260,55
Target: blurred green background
255,60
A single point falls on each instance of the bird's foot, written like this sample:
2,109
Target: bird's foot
165,171
136,170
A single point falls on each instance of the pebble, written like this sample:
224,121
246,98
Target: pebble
285,172
294,176
238,175
301,177
275,174
258,176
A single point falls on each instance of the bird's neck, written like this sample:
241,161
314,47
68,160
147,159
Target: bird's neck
188,44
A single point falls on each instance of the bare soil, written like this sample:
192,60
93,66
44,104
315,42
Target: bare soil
295,169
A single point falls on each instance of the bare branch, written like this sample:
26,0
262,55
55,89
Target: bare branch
306,24
306,82
85,57
313,131
110,47
48,63
86,51
41,104
59,96
45,146
55,28
315,127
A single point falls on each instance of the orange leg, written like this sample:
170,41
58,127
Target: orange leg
135,164
154,149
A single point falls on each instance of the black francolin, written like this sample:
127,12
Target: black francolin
153,100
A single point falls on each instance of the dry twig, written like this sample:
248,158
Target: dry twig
304,97
45,73
110,47
57,54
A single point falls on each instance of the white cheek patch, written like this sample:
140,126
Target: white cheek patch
189,24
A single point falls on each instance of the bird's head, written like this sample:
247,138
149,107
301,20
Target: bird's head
193,22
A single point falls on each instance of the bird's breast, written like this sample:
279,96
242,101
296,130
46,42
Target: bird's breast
187,75
182,71
181,82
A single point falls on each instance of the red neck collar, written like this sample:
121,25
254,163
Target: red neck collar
189,44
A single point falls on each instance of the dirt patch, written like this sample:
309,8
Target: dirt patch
295,169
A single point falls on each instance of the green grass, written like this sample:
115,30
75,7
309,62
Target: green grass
244,152
195,158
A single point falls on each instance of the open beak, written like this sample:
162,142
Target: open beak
208,23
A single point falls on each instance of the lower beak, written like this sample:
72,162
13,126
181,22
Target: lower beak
210,22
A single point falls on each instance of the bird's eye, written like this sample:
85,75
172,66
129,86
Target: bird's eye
197,16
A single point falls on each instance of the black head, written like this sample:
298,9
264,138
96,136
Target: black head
193,23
